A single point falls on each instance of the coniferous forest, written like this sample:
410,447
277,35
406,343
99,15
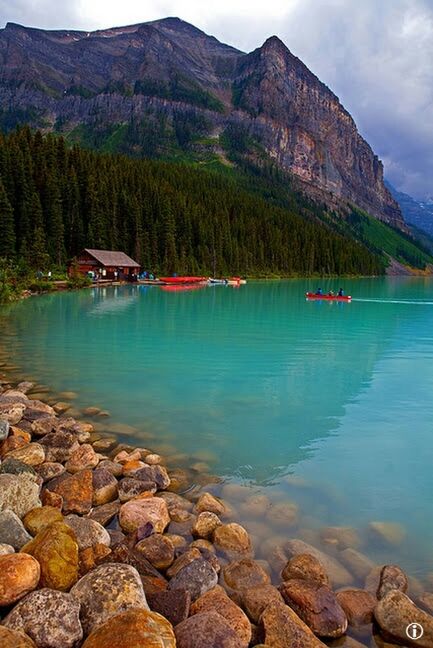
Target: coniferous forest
55,200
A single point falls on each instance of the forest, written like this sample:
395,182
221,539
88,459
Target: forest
56,199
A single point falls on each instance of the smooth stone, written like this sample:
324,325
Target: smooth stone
206,630
19,493
174,605
50,618
316,605
19,575
233,540
158,550
133,629
56,550
255,506
201,543
14,467
49,470
4,429
336,571
129,488
244,574
390,533
6,549
138,512
40,518
10,444
283,514
359,564
205,524
104,513
61,407
358,606
210,503
105,487
395,612
12,531
76,490
306,567
197,578
82,458
157,474
282,628
256,599
340,537
183,560
59,446
217,599
14,639
32,454
88,532
106,591
153,459
391,578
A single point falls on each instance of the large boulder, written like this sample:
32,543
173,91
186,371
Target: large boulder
217,599
206,630
197,578
106,591
19,575
395,612
133,629
19,493
139,512
12,530
50,618
56,550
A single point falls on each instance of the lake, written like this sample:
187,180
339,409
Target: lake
327,405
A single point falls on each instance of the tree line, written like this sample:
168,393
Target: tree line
56,200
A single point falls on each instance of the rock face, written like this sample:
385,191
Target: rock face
395,612
170,70
50,618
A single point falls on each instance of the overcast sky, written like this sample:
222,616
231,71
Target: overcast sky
376,55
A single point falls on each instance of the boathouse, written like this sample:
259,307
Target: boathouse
106,264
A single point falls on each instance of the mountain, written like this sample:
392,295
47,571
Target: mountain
166,89
417,213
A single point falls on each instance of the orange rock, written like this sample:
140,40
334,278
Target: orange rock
133,629
39,518
18,432
14,639
19,575
139,511
49,498
81,459
77,492
217,599
10,444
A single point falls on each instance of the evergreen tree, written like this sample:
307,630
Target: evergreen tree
7,226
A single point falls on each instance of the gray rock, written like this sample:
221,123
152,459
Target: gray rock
88,531
12,531
4,429
197,578
130,488
15,467
19,493
49,617
107,591
157,474
59,446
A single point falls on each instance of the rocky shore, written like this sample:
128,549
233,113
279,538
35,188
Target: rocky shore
99,549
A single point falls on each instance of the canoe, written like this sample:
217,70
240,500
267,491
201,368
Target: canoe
182,280
342,298
217,282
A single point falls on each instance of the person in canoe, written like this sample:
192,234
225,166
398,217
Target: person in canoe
331,293
319,291
341,292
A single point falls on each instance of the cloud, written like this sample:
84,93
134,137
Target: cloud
375,55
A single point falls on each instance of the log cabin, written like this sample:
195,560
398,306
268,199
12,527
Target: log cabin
106,264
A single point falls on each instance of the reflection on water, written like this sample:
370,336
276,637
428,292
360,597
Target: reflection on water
327,404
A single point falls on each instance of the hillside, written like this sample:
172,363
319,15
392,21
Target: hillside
415,212
167,90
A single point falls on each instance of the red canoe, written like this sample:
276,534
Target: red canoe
182,280
344,298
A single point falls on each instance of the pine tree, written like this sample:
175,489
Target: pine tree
7,225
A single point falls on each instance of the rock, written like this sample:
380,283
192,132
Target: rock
14,639
208,502
359,564
14,467
206,630
216,599
153,459
105,513
282,628
39,518
201,543
283,514
306,567
426,602
174,605
395,612
391,578
138,512
130,488
61,407
157,474
19,575
151,579
158,550
389,533
25,386
92,557
52,499
205,524
183,560
19,493
44,426
56,550
12,413
12,531
255,506
4,429
77,492
59,446
340,537
6,549
106,591
233,540
133,629
358,605
32,454
104,487
114,468
338,574
50,618
88,532
244,574
50,470
316,605
256,599
20,432
197,578
10,444
82,458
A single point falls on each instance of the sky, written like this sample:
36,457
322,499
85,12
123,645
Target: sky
376,55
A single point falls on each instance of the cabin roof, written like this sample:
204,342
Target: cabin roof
110,258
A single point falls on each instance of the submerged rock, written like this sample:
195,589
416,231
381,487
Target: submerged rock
395,612
306,567
358,606
390,533
337,573
391,578
359,564
133,629
19,575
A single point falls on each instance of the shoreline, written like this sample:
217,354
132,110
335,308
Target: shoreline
114,516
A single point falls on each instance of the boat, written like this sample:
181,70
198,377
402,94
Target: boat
236,281
342,298
175,281
217,282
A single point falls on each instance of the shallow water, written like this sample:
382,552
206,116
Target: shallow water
326,404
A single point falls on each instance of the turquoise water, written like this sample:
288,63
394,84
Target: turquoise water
326,404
